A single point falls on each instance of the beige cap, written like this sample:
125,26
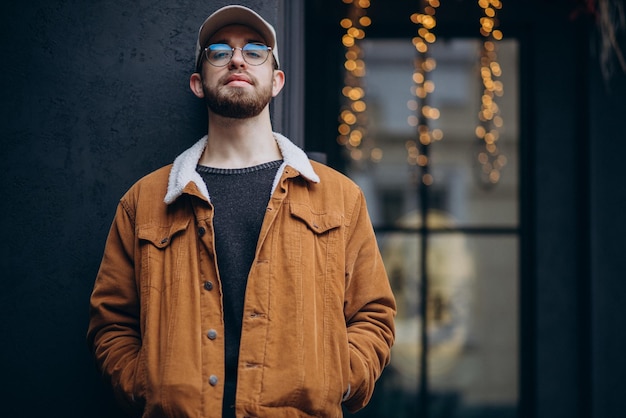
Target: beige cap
235,15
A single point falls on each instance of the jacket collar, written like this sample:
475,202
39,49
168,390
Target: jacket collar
184,168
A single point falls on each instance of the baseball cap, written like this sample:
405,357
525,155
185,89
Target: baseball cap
235,15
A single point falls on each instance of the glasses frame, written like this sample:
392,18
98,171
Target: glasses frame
205,52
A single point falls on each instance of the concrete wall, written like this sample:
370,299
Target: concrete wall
94,95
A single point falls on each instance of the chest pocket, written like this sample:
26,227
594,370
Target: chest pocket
319,223
162,249
161,236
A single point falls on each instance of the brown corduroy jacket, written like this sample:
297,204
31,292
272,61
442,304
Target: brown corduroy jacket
318,313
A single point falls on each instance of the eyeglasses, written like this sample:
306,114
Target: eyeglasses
220,55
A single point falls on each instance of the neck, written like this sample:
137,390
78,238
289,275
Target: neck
239,143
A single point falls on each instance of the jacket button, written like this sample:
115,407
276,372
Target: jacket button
208,285
201,231
212,334
213,380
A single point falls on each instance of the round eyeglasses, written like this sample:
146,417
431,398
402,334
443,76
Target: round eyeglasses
220,55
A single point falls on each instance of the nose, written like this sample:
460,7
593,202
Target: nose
237,60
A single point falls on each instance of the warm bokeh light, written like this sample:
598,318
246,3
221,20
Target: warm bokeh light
365,21
353,118
376,154
423,112
352,127
488,131
359,106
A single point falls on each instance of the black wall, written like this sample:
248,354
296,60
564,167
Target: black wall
606,291
94,94
575,131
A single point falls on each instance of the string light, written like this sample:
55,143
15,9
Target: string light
421,112
490,160
353,133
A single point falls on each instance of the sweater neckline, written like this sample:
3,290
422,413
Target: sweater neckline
203,169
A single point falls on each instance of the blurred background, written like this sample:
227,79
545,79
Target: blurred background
488,137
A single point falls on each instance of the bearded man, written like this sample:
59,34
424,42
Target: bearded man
243,279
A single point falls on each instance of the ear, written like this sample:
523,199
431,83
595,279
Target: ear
195,84
278,82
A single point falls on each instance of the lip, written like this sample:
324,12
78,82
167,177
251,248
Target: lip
238,79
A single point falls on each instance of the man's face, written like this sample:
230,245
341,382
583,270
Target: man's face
238,90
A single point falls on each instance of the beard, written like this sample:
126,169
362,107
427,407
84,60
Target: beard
237,103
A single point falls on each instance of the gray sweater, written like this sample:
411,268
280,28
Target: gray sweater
239,197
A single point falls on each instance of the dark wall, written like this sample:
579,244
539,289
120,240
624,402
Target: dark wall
94,95
556,139
576,129
607,285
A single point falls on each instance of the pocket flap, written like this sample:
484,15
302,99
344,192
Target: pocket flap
161,236
317,222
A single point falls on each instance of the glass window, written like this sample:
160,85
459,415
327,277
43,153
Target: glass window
467,283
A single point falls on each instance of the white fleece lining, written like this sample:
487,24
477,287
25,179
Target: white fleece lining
184,168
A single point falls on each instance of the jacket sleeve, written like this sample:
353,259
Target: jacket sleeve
369,308
114,331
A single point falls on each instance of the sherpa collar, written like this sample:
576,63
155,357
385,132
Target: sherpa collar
184,168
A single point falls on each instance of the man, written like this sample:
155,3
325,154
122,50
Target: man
243,279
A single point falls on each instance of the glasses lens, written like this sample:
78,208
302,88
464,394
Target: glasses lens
219,54
255,54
